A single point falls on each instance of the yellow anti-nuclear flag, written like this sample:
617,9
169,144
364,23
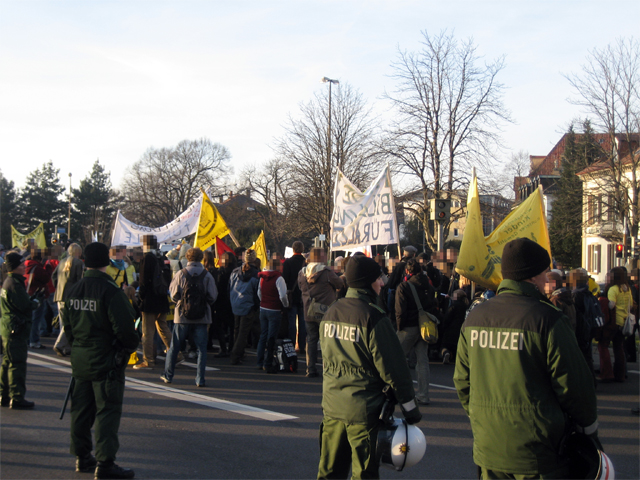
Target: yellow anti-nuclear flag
19,240
261,250
210,224
480,257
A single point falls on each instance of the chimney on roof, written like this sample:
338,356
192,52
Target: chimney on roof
230,193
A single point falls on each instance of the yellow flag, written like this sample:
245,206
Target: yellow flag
480,257
19,240
261,250
210,224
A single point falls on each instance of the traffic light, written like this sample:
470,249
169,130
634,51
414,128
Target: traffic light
440,209
54,239
619,250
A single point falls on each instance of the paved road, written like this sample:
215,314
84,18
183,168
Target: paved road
248,424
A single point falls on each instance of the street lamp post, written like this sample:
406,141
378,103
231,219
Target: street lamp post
330,81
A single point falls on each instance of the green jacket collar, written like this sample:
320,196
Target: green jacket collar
520,288
90,273
365,294
17,276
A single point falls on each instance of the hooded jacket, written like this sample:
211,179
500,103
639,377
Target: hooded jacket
519,375
243,291
319,282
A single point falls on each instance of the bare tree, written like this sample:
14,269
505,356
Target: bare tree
449,111
271,185
164,182
304,149
608,87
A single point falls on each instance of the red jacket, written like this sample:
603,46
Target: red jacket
38,277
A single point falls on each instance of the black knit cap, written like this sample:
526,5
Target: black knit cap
522,259
362,271
96,255
13,260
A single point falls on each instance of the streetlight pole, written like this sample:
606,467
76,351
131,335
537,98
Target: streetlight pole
69,218
330,81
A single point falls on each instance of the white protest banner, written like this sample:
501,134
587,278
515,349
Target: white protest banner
129,234
361,219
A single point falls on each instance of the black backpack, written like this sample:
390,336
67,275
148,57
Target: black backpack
193,303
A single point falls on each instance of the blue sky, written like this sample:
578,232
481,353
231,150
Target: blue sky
109,79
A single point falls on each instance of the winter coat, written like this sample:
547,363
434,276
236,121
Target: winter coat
406,310
15,305
452,323
98,320
243,291
519,375
152,302
290,270
119,275
179,283
562,299
37,277
361,354
319,282
272,290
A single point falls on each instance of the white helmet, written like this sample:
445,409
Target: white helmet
587,460
400,445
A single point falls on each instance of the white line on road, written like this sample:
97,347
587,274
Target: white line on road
174,393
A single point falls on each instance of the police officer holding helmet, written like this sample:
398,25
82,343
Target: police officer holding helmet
99,324
361,356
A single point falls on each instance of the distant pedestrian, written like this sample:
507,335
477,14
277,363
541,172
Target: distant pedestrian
15,326
245,304
186,323
295,312
68,272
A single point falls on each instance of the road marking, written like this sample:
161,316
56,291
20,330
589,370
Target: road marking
174,393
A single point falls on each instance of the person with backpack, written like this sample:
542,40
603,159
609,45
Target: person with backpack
155,276
272,292
194,291
245,304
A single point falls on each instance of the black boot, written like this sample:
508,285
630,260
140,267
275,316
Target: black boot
111,470
86,463
21,404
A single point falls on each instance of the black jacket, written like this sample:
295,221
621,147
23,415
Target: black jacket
151,302
290,270
405,306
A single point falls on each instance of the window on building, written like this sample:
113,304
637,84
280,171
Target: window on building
455,232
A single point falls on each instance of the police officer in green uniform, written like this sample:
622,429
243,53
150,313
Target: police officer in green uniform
16,307
520,374
99,324
361,355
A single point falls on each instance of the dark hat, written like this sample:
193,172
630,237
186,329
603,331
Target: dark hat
522,259
96,255
362,271
410,249
13,260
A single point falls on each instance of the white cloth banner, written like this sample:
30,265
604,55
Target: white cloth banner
361,219
129,234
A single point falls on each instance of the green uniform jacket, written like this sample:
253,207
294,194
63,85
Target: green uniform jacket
519,374
361,354
97,314
15,304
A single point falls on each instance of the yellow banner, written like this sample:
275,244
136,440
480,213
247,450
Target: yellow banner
480,257
261,250
210,224
19,240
